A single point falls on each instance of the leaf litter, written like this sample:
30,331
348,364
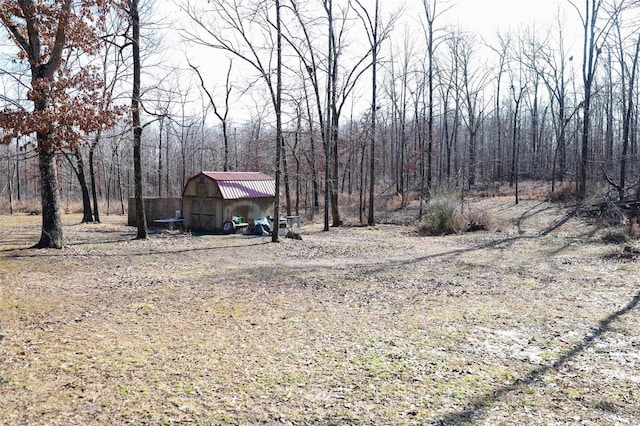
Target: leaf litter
352,326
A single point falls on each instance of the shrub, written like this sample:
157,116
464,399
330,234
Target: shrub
617,236
632,228
479,221
563,194
441,217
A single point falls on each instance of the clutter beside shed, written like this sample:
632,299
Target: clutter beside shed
176,221
262,226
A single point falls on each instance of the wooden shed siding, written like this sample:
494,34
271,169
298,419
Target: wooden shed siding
208,214
154,208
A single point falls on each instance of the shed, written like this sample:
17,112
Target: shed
211,198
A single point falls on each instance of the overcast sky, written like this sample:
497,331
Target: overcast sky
486,16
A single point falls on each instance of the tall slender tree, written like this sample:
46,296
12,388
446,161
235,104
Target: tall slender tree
222,116
628,77
278,107
373,32
593,37
141,218
432,12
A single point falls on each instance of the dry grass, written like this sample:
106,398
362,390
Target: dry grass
354,326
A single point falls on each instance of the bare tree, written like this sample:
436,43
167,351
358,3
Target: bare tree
278,107
594,36
502,50
377,33
76,161
551,65
432,12
222,116
474,79
517,95
141,219
628,75
399,98
310,65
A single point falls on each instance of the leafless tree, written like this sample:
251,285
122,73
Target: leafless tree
433,11
628,61
474,79
503,48
594,34
377,32
551,65
222,116
141,220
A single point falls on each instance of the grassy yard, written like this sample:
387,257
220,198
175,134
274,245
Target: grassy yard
534,322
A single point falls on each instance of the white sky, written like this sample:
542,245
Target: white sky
486,16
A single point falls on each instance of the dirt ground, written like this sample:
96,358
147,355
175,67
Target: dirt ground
535,322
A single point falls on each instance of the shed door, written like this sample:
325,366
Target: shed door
202,217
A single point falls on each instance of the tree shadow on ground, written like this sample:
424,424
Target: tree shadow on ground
530,213
506,242
58,253
480,405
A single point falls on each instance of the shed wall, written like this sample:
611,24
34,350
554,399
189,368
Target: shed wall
154,208
208,214
202,213
249,209
201,187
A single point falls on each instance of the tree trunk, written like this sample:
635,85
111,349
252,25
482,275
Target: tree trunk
296,158
327,134
333,181
590,59
333,119
287,186
51,236
92,175
279,139
161,124
87,214
18,192
430,47
372,161
10,180
141,219
626,122
361,193
584,151
472,157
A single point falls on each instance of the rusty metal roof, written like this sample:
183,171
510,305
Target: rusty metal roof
237,189
237,176
239,185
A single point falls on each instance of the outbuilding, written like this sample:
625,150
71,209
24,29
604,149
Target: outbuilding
211,198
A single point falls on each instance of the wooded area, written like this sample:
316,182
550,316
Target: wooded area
445,109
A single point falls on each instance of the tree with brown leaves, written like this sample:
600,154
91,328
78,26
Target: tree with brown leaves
53,40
